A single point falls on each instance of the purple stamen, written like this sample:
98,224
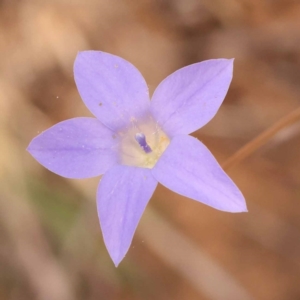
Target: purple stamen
141,139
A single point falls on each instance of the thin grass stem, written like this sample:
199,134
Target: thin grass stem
261,139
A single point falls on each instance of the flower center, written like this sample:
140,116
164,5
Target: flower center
142,143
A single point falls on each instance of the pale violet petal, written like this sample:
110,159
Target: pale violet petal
111,87
123,194
190,97
188,168
76,148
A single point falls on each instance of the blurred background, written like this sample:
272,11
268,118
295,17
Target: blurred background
51,245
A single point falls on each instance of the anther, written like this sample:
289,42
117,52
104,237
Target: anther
141,139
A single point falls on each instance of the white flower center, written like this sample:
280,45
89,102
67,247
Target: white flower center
142,143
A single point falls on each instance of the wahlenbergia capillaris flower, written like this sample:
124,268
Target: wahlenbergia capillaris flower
137,143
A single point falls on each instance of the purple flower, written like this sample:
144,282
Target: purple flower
137,143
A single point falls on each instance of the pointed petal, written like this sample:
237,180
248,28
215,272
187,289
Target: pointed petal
76,148
122,196
188,168
111,87
190,97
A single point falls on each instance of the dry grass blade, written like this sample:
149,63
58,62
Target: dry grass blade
196,266
261,139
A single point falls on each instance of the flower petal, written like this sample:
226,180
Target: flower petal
188,168
76,148
122,196
190,97
111,87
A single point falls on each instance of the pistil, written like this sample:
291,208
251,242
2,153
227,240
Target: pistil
141,139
